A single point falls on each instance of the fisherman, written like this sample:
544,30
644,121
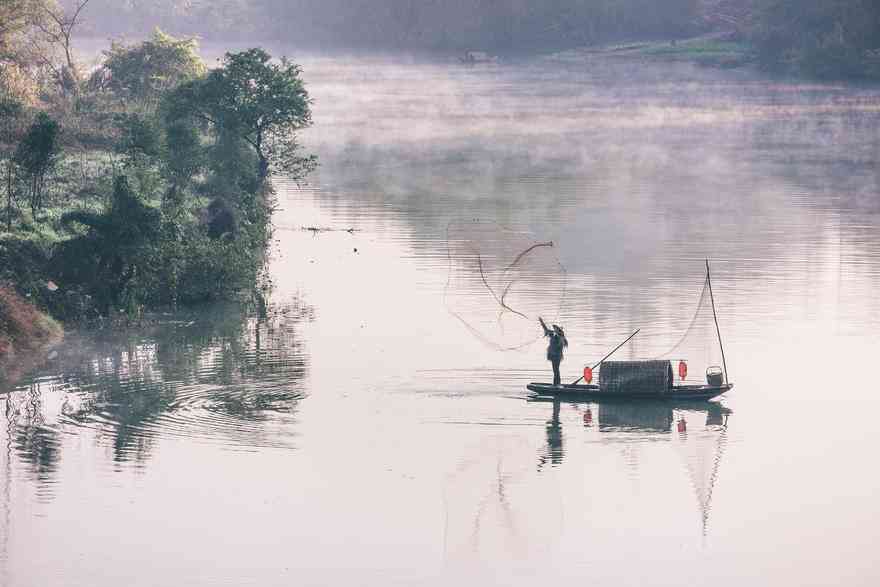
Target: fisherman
554,350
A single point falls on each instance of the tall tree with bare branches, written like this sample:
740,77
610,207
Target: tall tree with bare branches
57,28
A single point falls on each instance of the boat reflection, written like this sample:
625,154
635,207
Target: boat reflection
696,430
657,417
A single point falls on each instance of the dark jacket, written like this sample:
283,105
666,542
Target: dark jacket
557,342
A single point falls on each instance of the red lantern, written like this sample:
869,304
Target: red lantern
682,425
682,370
588,375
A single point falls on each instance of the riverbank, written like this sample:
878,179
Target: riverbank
26,335
723,50
121,195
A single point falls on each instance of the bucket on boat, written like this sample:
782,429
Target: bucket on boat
714,376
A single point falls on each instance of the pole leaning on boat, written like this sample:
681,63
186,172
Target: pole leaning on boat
629,338
715,316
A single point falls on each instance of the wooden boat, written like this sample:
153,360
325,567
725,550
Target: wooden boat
575,392
642,380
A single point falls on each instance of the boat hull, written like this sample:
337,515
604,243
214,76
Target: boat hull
593,392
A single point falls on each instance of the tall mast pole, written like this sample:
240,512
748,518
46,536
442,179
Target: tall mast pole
714,315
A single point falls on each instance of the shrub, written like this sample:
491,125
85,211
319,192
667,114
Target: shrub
23,262
37,154
145,71
116,252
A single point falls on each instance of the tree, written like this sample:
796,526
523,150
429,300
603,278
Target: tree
262,102
184,158
37,154
116,251
57,28
17,18
140,139
10,124
147,70
22,49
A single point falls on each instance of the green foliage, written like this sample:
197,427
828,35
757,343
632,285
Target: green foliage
185,155
36,154
140,137
116,255
211,269
149,69
172,204
232,164
23,262
262,102
702,50
39,147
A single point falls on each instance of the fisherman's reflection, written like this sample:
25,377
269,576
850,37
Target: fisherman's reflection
554,451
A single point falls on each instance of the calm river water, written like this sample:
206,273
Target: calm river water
356,433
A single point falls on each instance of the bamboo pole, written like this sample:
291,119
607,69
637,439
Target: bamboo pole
715,316
609,354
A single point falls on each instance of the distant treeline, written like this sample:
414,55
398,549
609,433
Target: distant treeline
823,38
497,25
828,38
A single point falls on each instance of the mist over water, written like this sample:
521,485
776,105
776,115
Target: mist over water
353,431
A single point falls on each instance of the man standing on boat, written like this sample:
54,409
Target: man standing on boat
554,350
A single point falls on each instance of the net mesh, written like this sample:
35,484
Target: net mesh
501,280
698,347
692,352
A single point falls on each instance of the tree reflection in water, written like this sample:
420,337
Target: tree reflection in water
230,375
29,437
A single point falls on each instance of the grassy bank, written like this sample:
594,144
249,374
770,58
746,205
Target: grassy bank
715,50
710,51
25,335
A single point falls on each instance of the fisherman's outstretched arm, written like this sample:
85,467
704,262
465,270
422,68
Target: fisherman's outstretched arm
547,331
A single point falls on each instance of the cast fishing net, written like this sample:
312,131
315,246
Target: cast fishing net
501,280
